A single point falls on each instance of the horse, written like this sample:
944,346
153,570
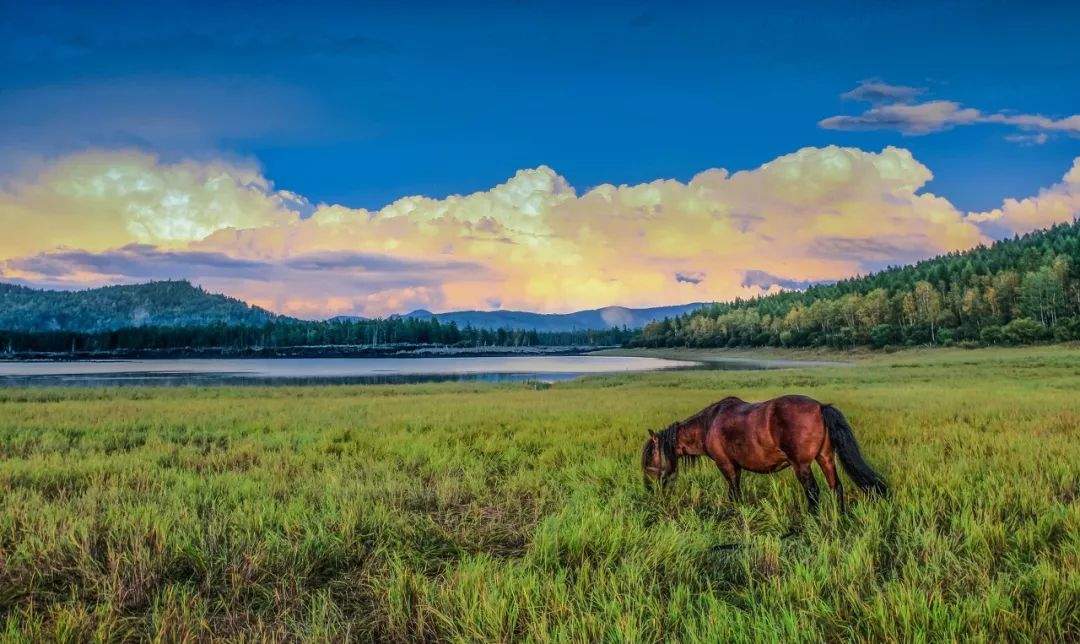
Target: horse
763,437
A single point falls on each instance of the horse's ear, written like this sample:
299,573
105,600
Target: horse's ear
652,434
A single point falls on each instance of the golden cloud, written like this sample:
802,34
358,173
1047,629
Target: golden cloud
530,243
1058,204
99,200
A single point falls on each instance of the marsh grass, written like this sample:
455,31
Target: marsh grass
506,512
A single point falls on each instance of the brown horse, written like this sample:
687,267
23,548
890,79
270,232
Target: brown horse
763,437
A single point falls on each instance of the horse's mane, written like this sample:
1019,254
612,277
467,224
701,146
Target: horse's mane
669,438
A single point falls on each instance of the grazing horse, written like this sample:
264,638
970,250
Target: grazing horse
763,437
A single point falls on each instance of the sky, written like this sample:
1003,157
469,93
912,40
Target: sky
324,159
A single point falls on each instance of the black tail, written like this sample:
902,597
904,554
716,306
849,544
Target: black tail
843,441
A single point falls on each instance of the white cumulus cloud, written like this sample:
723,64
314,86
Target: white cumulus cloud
98,200
1058,204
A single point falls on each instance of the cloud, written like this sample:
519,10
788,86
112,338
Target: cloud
1037,122
893,111
1058,204
876,91
690,277
135,261
875,251
533,242
337,279
100,200
768,281
919,118
1028,139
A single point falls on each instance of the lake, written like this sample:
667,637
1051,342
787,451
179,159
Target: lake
290,371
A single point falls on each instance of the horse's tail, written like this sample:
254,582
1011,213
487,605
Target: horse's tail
843,441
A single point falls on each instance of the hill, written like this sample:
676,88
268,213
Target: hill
155,304
180,304
594,319
1017,291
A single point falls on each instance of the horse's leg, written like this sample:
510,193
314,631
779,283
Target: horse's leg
731,473
734,489
828,468
806,477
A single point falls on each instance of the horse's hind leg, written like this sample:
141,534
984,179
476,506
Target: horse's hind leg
828,468
806,477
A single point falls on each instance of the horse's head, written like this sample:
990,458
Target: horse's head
657,460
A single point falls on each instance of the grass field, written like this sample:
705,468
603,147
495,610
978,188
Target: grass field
507,512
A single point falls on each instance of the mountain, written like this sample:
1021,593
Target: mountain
593,319
169,303
1017,291
180,304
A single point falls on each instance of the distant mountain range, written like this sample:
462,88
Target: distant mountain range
180,304
170,303
605,318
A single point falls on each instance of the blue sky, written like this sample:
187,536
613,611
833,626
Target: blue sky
361,105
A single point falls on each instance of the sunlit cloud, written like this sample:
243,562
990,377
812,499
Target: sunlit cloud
311,284
764,280
1058,204
100,200
531,243
918,118
893,110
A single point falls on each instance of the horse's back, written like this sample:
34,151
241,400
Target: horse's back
797,404
784,405
762,436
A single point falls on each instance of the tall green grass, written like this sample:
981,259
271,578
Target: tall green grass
506,512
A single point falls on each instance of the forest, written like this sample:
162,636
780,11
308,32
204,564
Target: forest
172,303
284,332
1017,291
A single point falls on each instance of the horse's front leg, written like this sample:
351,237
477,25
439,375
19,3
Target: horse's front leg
731,473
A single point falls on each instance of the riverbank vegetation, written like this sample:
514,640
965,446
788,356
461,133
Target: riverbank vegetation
478,512
1019,291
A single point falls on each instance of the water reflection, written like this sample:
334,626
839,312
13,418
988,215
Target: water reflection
165,379
322,371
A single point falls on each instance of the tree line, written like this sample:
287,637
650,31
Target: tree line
1016,291
288,332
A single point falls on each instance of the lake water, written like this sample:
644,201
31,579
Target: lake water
321,370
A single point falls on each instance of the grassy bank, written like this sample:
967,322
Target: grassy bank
929,354
499,512
755,353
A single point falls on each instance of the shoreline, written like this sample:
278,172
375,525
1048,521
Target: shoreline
402,351
822,356
770,356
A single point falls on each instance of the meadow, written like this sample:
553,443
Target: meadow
499,512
